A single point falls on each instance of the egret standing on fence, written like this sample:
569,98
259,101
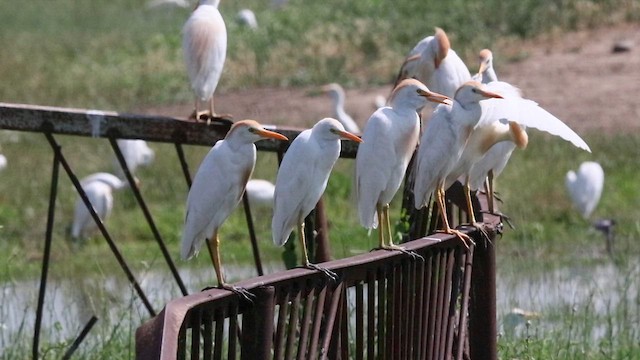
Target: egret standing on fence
204,44
389,139
442,144
217,189
302,179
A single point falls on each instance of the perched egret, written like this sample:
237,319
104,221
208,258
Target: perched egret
337,95
204,44
246,17
435,64
494,161
389,139
136,153
260,193
442,144
585,187
302,179
505,120
217,189
99,189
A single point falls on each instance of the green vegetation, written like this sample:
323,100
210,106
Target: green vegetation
121,55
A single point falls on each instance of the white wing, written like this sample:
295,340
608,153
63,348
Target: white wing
526,112
216,190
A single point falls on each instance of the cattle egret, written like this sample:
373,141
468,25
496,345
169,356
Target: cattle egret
337,95
302,179
435,64
505,120
136,153
247,18
217,189
389,139
494,161
204,44
99,189
260,193
442,144
585,187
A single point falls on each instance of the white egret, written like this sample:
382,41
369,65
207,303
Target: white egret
247,18
494,161
338,96
260,192
503,120
136,153
204,45
389,139
585,187
435,64
3,162
302,179
99,188
217,189
442,144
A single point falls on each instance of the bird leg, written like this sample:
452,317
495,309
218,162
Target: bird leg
214,252
385,222
471,212
443,213
305,258
491,197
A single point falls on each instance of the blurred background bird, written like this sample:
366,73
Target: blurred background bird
204,45
246,17
260,193
99,188
302,179
585,187
338,97
389,140
136,153
217,189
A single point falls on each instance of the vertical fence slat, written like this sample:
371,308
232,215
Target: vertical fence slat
310,293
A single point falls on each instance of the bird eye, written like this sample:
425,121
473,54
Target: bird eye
251,130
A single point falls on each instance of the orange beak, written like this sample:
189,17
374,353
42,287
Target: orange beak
483,67
272,135
435,97
348,136
489,94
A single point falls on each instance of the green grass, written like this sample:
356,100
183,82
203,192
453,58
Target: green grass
121,55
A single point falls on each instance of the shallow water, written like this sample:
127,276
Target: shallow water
69,304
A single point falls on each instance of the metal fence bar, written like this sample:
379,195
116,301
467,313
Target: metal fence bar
147,215
53,193
252,234
80,338
114,249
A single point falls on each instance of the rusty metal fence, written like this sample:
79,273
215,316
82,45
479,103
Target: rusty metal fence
384,305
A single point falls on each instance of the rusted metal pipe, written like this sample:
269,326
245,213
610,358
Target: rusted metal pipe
257,335
482,308
252,234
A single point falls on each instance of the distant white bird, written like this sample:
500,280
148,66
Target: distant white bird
435,64
379,101
585,187
136,153
389,139
338,96
217,189
204,44
442,144
99,188
168,3
302,179
260,193
247,18
3,162
486,72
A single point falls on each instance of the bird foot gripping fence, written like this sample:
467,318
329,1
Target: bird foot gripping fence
435,303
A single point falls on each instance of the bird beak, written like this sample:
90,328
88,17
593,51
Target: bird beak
272,135
483,67
348,136
489,94
435,97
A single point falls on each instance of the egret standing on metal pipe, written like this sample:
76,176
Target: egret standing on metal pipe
217,189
